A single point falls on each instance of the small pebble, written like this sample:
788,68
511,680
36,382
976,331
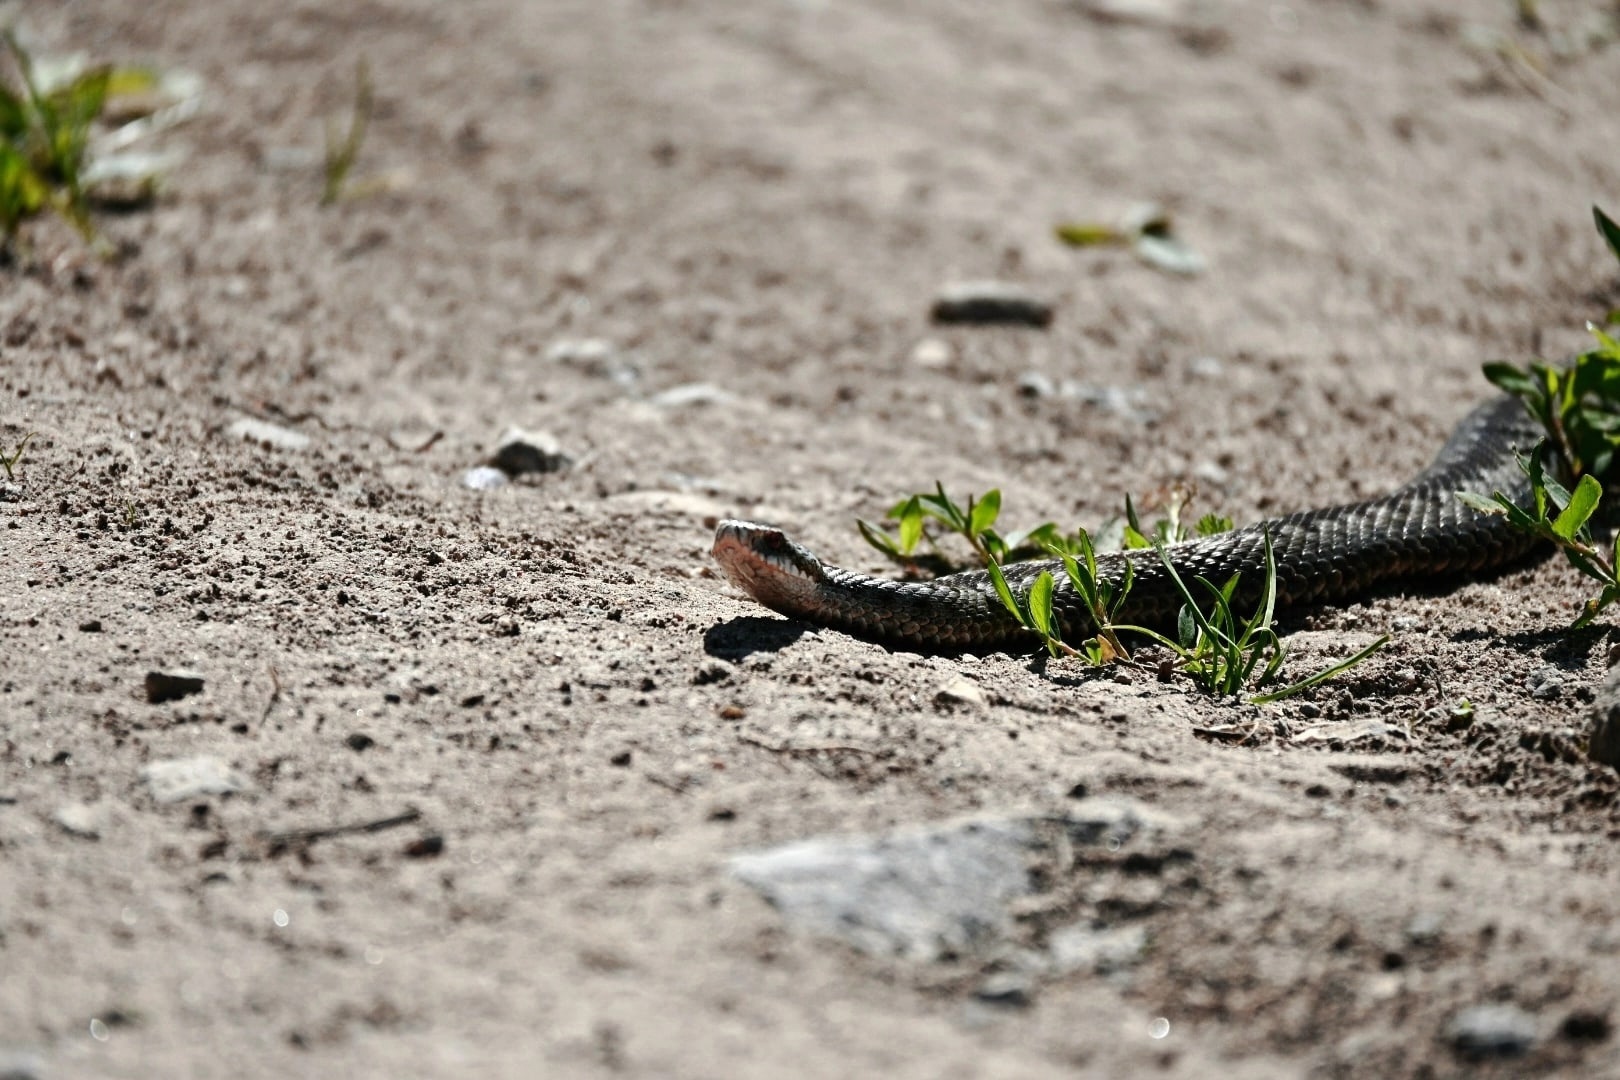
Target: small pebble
959,691
1205,367
79,819
1425,928
359,741
520,451
90,626
164,686
484,478
688,394
1035,384
1495,1030
273,436
931,353
990,302
1545,683
1007,989
425,847
592,354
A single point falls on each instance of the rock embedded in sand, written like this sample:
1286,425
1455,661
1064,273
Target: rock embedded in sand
519,451
991,302
926,893
1494,1030
179,779
162,686
959,692
273,436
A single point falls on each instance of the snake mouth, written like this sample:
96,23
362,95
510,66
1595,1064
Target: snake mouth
762,562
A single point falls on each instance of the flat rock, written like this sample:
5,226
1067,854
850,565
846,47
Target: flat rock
990,302
925,893
178,779
267,434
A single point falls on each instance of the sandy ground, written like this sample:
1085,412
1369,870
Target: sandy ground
565,723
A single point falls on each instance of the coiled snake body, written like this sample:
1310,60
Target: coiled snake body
1417,531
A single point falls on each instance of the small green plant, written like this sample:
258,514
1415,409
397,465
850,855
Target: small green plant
11,460
1169,529
1579,407
342,150
1560,517
44,143
1222,652
1103,600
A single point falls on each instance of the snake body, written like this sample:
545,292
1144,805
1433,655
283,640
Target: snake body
1417,531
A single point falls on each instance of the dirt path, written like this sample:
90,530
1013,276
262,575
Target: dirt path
566,724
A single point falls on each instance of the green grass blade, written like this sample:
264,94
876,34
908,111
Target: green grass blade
1321,676
1007,601
1611,232
880,539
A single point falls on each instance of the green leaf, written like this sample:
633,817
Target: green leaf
1512,379
1040,604
994,545
1582,502
1131,521
1089,234
1212,525
1007,601
1611,232
985,511
880,539
911,525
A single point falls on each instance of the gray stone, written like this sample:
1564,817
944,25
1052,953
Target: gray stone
920,894
263,433
990,302
1495,1030
179,779
80,819
1545,683
927,893
1425,928
1604,746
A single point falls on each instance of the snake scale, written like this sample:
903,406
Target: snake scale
1417,531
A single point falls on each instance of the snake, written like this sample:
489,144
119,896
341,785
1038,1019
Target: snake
1416,532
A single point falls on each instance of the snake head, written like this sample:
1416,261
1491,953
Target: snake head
764,563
